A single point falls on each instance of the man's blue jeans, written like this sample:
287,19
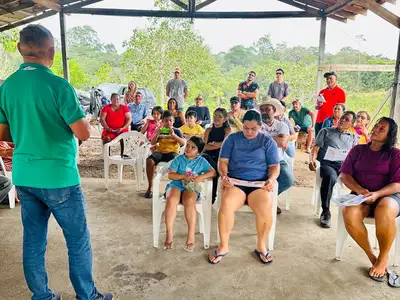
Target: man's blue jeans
285,178
68,207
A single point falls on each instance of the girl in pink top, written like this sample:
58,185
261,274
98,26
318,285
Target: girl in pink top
151,124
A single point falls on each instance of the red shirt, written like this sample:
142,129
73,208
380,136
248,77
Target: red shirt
332,97
115,119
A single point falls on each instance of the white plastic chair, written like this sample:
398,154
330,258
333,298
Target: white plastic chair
203,207
77,151
338,189
246,208
11,193
286,194
132,142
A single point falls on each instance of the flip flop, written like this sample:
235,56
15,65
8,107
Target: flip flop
377,278
258,254
168,246
216,255
393,279
188,247
148,195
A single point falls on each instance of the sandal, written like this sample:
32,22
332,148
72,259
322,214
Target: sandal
189,247
216,255
261,255
148,195
377,278
168,246
393,279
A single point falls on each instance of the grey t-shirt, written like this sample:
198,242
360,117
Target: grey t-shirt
177,89
278,90
277,128
333,137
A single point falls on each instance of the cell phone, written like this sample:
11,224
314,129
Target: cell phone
164,130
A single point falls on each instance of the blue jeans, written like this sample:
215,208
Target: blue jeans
291,151
285,178
68,208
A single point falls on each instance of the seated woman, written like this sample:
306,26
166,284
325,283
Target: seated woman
115,119
186,172
178,115
373,170
338,111
247,156
361,127
214,136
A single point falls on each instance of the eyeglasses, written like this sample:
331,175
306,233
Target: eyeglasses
199,99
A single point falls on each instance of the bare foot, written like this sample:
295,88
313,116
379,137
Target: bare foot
379,268
219,251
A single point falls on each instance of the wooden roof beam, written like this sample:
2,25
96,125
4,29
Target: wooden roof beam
48,4
322,6
381,11
337,7
304,7
356,9
204,4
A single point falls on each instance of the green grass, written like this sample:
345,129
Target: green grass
369,102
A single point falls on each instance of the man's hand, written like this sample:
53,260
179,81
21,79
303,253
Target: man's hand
312,166
226,182
268,186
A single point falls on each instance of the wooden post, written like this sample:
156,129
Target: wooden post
64,46
395,101
321,56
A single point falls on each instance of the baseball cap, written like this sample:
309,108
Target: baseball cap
327,74
296,101
235,99
177,69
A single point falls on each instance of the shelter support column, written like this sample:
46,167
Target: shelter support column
321,55
64,45
395,101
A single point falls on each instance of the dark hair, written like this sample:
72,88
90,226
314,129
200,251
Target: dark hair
199,142
340,104
391,140
365,112
235,98
170,100
191,113
253,73
114,95
350,113
157,109
225,114
280,70
167,114
283,103
36,35
252,115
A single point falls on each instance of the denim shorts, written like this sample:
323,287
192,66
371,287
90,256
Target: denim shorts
395,197
179,187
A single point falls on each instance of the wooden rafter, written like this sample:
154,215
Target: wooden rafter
381,11
310,4
48,4
204,4
337,7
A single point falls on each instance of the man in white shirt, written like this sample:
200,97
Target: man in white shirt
279,131
177,88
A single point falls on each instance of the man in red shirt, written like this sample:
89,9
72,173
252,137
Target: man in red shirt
327,99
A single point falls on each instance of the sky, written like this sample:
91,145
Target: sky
380,36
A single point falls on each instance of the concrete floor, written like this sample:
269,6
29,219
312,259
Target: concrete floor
126,264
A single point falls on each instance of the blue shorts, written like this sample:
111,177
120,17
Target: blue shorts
179,187
395,197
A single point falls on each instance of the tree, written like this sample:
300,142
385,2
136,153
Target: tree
77,75
84,36
9,39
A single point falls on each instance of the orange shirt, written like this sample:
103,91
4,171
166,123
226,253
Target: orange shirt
332,97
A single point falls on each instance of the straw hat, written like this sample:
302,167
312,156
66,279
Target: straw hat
271,101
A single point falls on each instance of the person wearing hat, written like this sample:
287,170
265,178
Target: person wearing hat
138,112
279,131
304,121
279,89
202,111
248,91
177,88
327,99
235,116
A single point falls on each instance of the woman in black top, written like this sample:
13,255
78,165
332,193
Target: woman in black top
179,116
203,114
214,137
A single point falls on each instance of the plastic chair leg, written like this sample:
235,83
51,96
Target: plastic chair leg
341,235
120,171
287,199
396,261
106,169
11,197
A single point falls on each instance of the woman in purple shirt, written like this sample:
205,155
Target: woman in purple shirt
373,170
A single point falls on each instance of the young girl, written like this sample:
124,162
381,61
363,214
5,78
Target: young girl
186,172
361,127
213,137
151,124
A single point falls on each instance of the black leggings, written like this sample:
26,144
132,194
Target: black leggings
329,175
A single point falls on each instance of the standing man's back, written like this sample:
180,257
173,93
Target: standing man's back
42,113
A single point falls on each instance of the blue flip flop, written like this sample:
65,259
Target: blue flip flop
216,256
258,254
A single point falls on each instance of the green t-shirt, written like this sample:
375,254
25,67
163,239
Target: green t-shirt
301,118
39,106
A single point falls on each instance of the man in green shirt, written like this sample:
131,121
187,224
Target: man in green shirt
42,113
304,121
